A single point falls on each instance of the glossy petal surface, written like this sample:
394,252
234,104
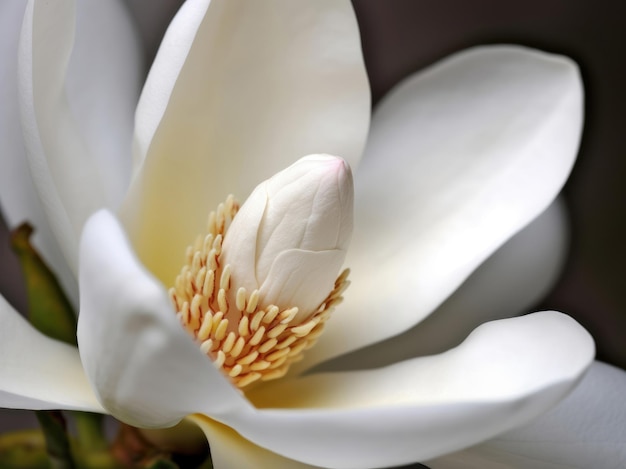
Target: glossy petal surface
18,198
104,78
513,280
145,369
238,91
37,372
77,145
585,430
230,450
504,374
461,156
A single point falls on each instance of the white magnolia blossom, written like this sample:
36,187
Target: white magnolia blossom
459,159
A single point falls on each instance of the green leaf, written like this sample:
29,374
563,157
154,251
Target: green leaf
49,309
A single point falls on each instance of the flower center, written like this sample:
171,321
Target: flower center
246,341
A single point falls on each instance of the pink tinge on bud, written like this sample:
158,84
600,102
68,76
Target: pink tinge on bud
289,239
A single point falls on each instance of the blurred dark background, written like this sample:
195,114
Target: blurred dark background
403,36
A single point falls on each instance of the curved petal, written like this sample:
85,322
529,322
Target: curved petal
18,198
17,202
505,373
104,77
37,372
460,158
230,450
585,430
238,91
509,283
72,180
145,369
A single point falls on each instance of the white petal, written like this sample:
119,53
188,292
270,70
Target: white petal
585,430
104,77
18,198
229,450
64,178
16,201
460,158
237,92
505,373
145,369
37,372
509,283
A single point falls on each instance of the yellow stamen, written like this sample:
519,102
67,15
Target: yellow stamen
249,343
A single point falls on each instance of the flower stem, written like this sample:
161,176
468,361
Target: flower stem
50,311
57,442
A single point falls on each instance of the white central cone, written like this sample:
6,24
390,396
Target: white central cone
257,289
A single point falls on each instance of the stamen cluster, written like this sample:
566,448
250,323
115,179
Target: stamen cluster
248,342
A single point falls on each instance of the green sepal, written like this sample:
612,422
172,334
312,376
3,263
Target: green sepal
50,311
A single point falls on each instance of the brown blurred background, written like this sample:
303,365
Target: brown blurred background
402,36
